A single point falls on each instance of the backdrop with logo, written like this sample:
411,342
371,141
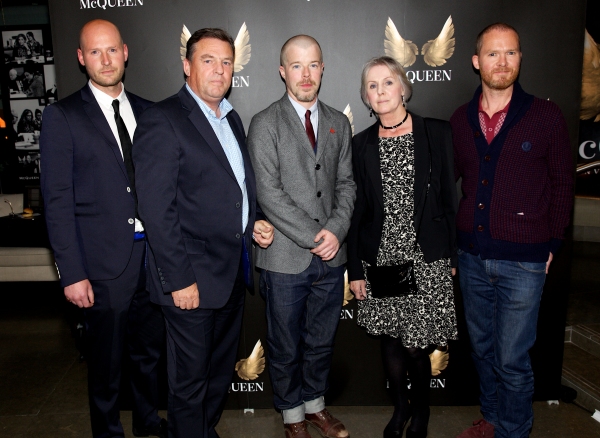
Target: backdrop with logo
350,32
588,157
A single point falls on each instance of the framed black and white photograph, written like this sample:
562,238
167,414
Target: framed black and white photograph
27,123
26,81
29,162
50,83
24,46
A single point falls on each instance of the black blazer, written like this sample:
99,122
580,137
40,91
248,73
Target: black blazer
190,201
89,209
437,237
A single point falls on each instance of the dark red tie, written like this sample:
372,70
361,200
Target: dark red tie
310,131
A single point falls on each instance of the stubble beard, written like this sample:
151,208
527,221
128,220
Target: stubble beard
501,83
305,96
107,82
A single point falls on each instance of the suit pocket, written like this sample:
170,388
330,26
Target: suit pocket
194,246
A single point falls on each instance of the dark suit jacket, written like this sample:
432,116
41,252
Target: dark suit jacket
88,208
437,237
190,201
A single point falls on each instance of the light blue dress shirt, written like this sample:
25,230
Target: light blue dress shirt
229,144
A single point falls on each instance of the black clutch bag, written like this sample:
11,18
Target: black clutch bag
392,281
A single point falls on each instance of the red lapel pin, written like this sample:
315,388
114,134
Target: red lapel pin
332,131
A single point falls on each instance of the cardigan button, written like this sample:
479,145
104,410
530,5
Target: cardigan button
477,134
480,228
487,158
485,182
481,206
471,246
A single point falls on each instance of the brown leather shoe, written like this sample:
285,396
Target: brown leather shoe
327,425
296,430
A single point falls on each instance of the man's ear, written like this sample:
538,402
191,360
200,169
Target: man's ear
186,66
475,60
80,57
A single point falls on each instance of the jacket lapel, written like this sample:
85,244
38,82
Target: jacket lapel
201,123
92,109
325,130
421,158
137,110
295,124
372,164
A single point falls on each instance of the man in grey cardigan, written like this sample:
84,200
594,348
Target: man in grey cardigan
301,152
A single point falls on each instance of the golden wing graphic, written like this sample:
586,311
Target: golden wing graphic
185,36
250,368
348,113
590,81
242,49
348,295
439,360
403,51
437,51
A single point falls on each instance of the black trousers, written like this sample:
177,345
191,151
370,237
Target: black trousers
202,347
123,317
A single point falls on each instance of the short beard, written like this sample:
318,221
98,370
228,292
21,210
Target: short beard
501,84
305,97
105,82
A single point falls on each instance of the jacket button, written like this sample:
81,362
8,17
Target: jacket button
129,189
480,228
131,221
487,158
481,206
318,166
237,235
485,182
316,220
237,205
163,282
318,194
471,246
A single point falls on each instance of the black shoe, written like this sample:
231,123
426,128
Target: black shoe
390,432
160,430
413,434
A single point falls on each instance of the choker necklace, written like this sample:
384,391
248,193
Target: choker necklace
395,126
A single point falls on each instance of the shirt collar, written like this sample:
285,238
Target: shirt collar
224,106
301,111
106,100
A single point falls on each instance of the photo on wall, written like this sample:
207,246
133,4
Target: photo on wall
27,123
29,162
26,81
50,84
24,46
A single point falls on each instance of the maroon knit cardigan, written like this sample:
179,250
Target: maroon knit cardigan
518,190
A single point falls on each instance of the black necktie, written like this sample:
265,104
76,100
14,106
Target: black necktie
126,148
310,131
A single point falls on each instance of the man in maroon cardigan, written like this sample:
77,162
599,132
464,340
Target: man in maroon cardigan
513,153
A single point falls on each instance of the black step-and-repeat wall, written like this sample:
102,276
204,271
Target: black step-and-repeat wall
350,32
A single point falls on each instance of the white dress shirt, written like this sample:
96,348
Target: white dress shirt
105,102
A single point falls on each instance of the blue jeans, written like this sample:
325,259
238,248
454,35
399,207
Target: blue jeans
502,300
303,312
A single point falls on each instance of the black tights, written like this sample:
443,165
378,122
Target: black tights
399,362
